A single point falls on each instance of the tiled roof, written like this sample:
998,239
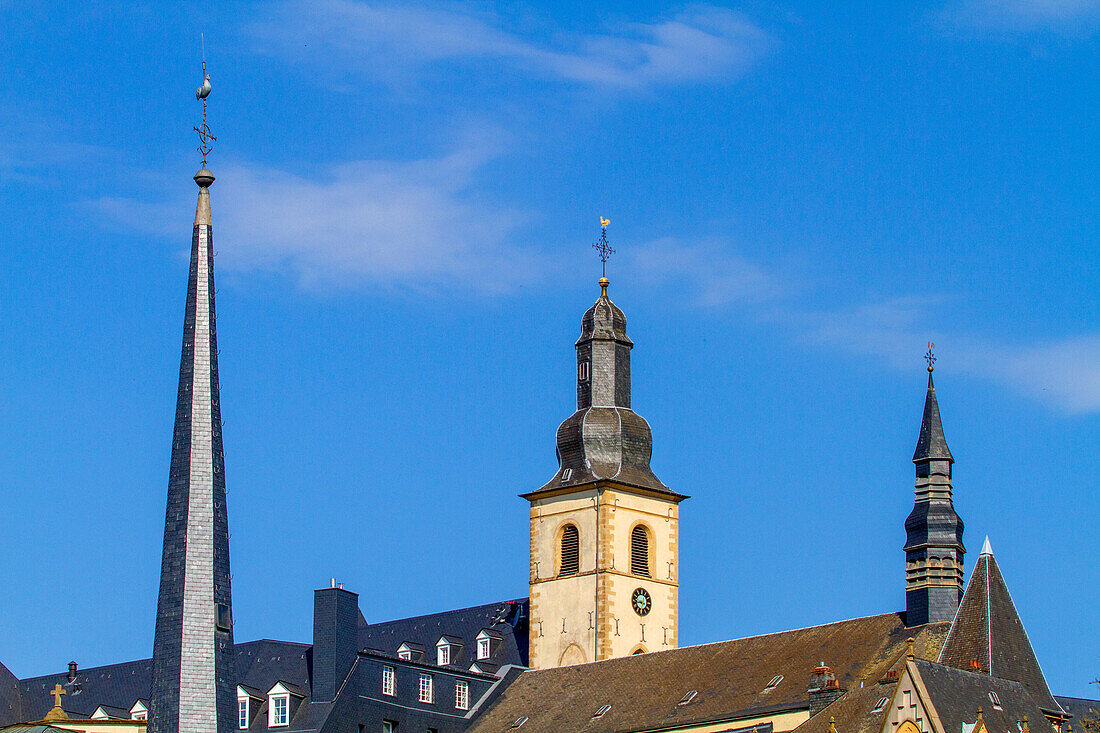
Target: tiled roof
987,630
729,677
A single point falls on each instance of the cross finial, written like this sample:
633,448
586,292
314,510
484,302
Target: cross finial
205,138
57,692
602,246
930,357
57,713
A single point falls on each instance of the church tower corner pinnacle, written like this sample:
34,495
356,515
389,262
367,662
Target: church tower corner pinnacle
194,680
933,531
604,530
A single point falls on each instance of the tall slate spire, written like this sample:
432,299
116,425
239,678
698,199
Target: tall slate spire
194,681
933,532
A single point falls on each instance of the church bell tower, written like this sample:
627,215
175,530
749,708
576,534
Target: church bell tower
604,529
933,531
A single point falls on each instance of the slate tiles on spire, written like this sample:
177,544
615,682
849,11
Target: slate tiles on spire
987,632
931,444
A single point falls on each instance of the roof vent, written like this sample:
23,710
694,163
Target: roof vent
688,697
519,722
880,705
773,683
601,711
995,700
72,671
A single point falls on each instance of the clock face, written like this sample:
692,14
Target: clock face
641,602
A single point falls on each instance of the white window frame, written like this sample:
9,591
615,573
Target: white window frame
139,716
462,695
484,647
443,655
389,677
274,720
242,713
388,726
426,688
405,654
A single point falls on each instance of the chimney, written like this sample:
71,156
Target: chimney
335,639
824,688
72,672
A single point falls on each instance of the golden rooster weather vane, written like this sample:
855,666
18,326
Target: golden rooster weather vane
602,246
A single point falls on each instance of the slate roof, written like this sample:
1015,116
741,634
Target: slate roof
988,629
11,700
464,623
259,664
956,696
1081,709
931,443
729,676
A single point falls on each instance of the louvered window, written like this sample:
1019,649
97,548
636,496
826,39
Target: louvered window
639,551
570,550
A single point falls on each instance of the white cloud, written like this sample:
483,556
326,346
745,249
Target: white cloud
1063,373
711,272
1072,17
415,224
702,43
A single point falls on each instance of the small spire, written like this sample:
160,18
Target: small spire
832,724
986,549
931,443
909,654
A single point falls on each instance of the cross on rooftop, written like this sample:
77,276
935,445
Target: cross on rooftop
57,692
602,246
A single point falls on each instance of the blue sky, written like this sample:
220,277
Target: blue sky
801,197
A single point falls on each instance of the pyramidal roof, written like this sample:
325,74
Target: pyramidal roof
987,631
931,444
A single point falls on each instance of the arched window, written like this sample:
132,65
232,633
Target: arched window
639,551
570,550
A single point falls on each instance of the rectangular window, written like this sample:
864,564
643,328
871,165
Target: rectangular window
483,648
443,655
242,713
280,710
388,726
582,371
387,680
462,695
425,688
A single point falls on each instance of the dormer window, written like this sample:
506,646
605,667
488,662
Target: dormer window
249,702
447,650
488,641
282,700
139,711
410,652
278,713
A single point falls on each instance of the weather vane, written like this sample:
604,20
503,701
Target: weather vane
205,138
602,246
929,356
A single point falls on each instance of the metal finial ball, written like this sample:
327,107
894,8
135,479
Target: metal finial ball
204,178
